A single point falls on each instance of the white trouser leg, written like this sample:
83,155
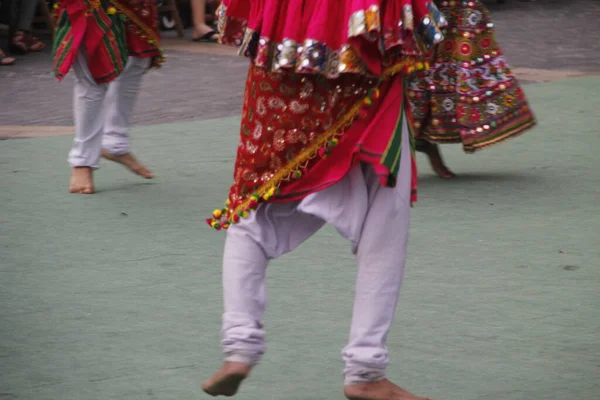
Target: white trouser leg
88,114
268,232
118,106
381,257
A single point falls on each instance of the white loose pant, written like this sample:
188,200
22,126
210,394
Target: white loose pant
374,218
103,112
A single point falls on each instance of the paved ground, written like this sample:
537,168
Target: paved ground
117,295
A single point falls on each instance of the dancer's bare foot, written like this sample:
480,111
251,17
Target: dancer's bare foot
380,390
129,161
432,151
227,380
81,180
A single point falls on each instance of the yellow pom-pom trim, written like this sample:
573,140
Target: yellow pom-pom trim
270,193
111,10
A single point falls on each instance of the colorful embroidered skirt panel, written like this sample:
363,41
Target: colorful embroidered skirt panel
469,95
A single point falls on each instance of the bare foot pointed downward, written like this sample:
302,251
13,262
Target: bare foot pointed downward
380,390
130,162
81,180
227,380
434,155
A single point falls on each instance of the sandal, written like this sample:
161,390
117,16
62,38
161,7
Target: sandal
19,43
207,38
33,43
5,60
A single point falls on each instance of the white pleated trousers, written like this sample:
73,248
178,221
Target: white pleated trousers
103,112
375,219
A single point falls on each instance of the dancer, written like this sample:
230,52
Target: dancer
325,138
109,44
469,95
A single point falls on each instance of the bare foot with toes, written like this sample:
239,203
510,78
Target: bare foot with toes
432,151
380,390
227,380
130,162
81,180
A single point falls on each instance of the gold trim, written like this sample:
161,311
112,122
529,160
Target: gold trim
473,147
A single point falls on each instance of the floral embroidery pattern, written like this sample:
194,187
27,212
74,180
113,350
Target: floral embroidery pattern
469,95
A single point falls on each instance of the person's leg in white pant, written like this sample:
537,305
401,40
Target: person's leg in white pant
89,122
268,232
375,219
381,256
89,117
118,107
96,109
120,100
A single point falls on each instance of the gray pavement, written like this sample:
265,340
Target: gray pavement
550,34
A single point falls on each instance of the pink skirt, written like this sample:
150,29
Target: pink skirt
330,37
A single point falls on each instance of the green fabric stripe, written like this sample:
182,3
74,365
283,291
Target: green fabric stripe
63,28
118,60
111,52
62,55
411,137
395,166
101,22
391,158
118,28
107,44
